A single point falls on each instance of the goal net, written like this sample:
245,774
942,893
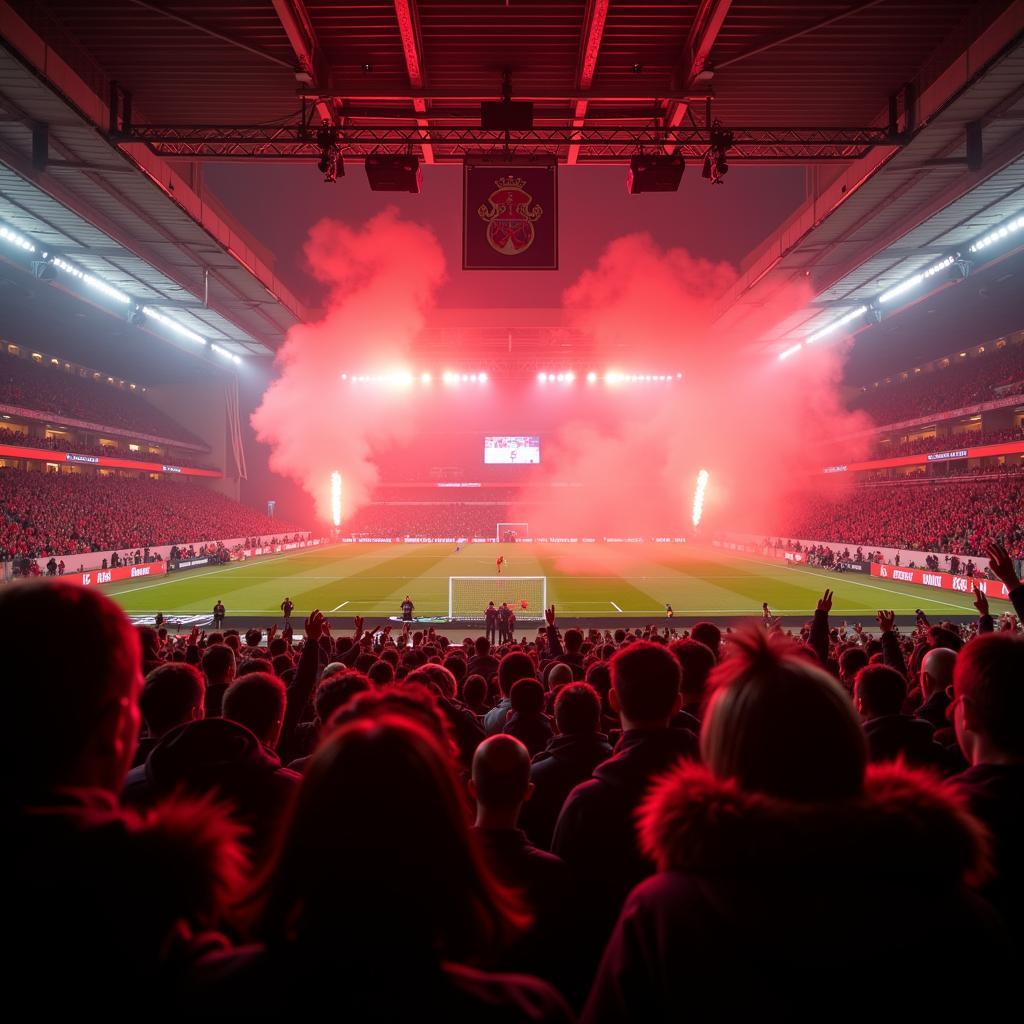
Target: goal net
468,596
507,532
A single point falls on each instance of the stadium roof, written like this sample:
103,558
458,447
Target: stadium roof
895,214
425,65
122,214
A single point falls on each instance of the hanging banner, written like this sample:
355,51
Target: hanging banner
509,214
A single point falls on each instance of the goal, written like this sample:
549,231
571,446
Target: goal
468,596
513,531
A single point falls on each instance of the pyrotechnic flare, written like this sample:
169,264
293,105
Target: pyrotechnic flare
698,497
336,498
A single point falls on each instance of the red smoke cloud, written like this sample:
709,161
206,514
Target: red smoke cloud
381,280
760,426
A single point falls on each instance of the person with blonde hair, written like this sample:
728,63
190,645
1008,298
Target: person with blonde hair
793,878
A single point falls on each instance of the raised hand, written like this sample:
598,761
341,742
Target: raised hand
271,633
193,636
315,625
825,602
357,626
549,615
886,621
1001,564
980,602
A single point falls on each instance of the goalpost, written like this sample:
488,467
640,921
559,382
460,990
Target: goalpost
519,529
468,596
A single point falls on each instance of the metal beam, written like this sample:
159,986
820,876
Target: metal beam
412,48
598,144
703,32
590,46
295,21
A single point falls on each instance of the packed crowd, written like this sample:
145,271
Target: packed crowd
826,557
70,513
964,382
44,388
633,825
438,519
952,442
951,518
81,447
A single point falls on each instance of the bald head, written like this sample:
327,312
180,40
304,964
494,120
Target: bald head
937,670
501,772
559,675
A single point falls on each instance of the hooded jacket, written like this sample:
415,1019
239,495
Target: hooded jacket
103,899
771,908
565,762
214,755
596,831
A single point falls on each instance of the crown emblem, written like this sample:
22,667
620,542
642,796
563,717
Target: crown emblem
510,181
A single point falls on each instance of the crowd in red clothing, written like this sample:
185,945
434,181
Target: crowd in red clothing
614,824
953,518
964,382
952,442
437,519
64,444
40,386
71,513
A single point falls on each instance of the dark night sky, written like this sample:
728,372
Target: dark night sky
279,204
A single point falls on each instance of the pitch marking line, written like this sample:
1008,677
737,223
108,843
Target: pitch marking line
615,606
886,590
338,608
201,575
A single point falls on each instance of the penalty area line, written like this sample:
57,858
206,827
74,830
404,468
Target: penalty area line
615,606
337,608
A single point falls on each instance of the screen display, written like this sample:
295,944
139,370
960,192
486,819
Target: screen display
511,450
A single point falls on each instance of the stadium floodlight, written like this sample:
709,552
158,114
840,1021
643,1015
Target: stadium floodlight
425,378
792,350
16,239
481,378
997,234
591,377
336,498
224,353
173,325
468,596
570,377
829,329
542,378
698,497
912,282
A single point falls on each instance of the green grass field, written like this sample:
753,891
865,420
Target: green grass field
629,582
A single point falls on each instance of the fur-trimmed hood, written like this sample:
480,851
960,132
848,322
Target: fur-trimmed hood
905,823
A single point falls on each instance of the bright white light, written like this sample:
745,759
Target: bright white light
791,351
570,377
996,234
336,498
542,378
425,378
913,282
482,378
15,239
224,353
173,325
698,497
834,326
591,377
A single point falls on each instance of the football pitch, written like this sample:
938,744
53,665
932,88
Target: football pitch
603,584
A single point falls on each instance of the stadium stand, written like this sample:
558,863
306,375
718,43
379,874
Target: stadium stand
68,513
84,447
947,517
45,388
956,384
